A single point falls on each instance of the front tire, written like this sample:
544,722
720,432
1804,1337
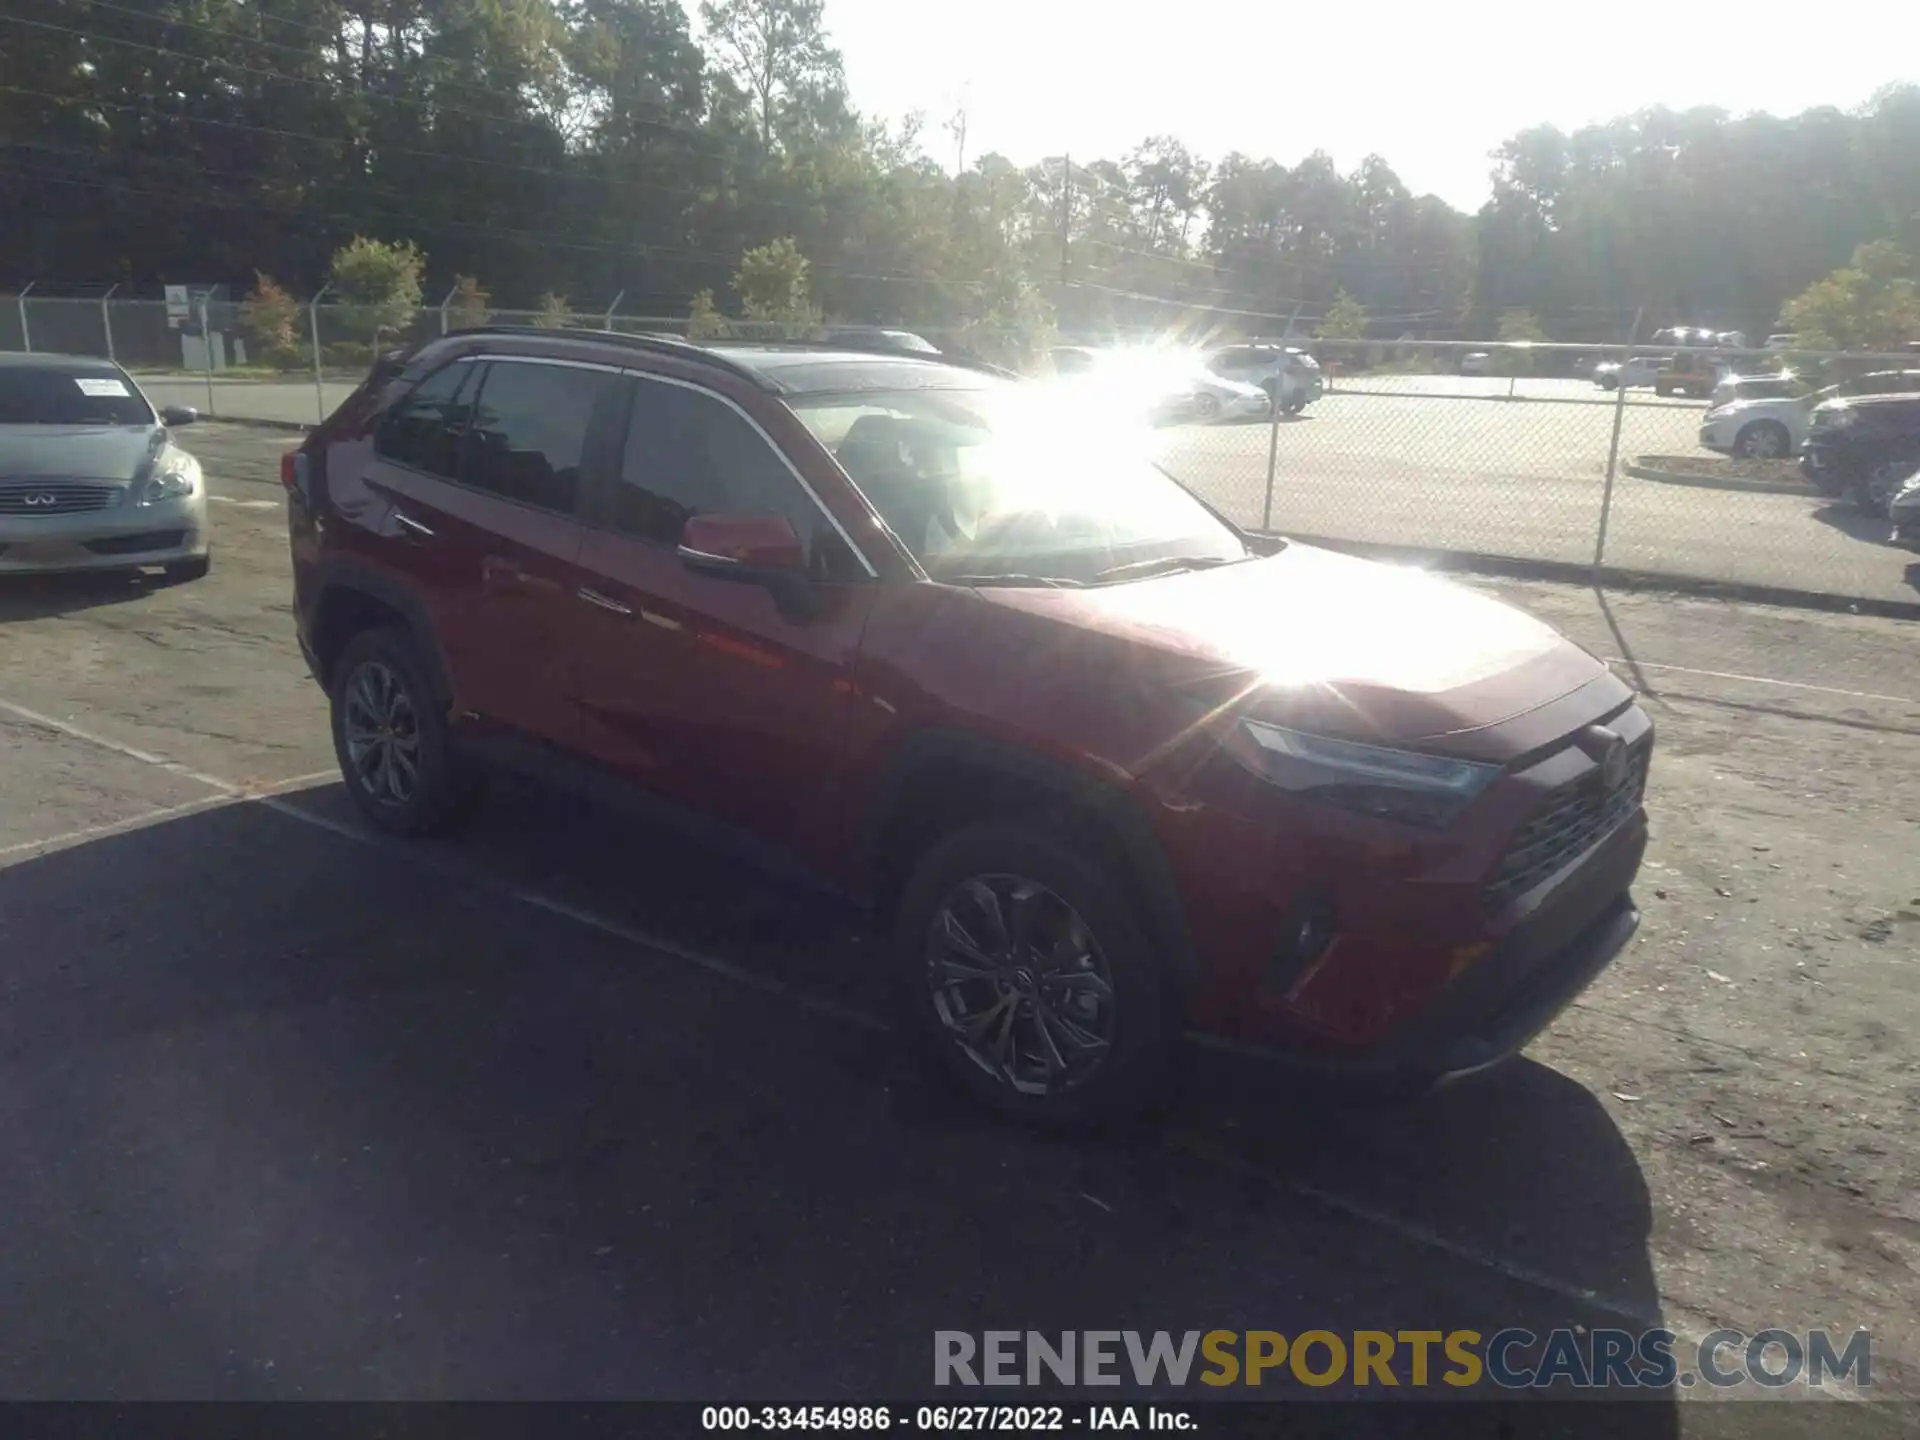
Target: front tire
1030,976
1762,440
1206,407
390,737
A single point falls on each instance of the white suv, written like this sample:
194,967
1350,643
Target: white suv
1772,428
1291,377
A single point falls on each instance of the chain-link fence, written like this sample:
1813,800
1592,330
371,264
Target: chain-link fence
1568,454
1541,453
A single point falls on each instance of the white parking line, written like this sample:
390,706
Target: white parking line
1356,1210
1766,680
62,727
51,843
245,504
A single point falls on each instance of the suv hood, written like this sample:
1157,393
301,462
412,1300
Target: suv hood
88,452
1328,643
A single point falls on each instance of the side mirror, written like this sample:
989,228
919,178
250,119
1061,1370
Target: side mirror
174,416
753,548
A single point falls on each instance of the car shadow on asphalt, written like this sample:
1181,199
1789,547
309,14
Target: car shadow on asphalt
41,597
297,1115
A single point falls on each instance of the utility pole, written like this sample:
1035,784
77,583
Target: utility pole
957,127
1066,218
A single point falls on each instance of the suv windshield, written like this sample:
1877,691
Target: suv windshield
1003,485
69,395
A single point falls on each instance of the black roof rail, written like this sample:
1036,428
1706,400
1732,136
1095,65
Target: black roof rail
656,344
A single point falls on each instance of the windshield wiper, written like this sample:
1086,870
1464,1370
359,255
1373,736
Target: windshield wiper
1166,564
1055,581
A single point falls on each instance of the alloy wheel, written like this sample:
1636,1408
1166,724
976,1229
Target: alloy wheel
382,733
1020,984
1766,442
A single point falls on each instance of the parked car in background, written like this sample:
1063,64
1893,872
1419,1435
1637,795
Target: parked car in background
1863,447
1691,372
1904,511
1194,392
1476,362
91,477
874,337
1102,769
1156,385
1290,376
1769,428
1782,385
1636,372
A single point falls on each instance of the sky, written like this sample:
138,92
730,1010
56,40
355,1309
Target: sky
1432,86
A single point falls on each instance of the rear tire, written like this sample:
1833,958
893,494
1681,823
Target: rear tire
1053,1013
1206,407
390,737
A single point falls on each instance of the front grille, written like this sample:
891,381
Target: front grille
1574,819
134,544
56,497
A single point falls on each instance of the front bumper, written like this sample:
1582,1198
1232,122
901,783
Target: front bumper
1717,437
118,538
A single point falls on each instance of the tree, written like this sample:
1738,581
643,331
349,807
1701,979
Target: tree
1346,319
777,51
704,321
552,312
1872,304
773,287
471,304
272,317
378,285
1518,327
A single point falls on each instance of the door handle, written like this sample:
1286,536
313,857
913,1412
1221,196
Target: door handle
605,602
413,528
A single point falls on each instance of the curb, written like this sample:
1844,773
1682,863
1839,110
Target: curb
1717,482
1568,572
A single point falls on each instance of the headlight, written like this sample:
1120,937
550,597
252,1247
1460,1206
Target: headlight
1836,419
177,478
1397,784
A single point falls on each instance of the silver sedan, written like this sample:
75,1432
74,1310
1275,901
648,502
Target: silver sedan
90,475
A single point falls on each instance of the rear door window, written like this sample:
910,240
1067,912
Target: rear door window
423,432
528,438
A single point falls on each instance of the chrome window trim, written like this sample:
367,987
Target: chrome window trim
768,441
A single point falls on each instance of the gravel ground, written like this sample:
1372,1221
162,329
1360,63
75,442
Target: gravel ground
568,1107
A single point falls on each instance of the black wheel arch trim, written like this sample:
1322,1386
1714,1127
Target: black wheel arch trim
1119,812
340,579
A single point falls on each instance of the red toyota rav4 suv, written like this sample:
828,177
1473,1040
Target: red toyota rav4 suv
1109,769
